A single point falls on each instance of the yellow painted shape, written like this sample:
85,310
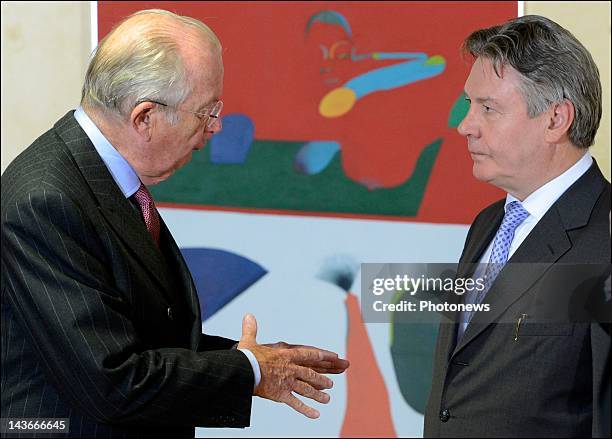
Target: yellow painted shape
436,59
337,102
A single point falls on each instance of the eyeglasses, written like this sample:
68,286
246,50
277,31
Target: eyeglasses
211,116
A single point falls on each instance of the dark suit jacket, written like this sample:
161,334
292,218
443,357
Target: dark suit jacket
549,381
99,325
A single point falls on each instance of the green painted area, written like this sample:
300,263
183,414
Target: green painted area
412,350
458,112
267,180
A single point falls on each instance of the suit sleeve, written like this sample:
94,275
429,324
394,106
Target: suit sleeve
213,343
62,291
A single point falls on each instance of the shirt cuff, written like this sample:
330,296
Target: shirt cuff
254,365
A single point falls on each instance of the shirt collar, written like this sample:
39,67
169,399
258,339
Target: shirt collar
538,203
121,171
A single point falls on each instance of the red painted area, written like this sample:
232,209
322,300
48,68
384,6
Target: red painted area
273,74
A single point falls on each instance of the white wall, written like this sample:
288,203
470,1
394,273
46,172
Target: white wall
45,50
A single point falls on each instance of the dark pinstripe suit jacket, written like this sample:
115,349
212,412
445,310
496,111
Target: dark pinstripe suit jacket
552,382
98,324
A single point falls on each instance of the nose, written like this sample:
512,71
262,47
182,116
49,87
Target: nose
468,126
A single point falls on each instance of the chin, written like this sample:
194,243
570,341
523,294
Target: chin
159,179
481,173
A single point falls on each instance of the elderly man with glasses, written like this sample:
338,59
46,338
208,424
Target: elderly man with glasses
101,322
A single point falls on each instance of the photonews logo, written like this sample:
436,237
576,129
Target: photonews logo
419,288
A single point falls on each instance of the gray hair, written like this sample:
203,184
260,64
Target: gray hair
553,65
139,60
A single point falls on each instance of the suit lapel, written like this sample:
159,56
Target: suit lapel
113,205
544,246
131,229
479,243
473,251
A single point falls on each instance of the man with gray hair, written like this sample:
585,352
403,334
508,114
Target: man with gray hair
535,104
100,317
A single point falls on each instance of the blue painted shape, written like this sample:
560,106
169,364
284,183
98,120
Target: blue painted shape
313,157
233,143
400,55
390,77
220,276
329,17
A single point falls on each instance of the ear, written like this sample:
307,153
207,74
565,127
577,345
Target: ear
561,118
140,119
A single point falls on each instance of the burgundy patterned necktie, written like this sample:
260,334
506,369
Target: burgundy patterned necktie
149,212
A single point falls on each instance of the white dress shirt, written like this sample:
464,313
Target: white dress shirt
129,182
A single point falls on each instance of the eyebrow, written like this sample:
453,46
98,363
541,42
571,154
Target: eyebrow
484,100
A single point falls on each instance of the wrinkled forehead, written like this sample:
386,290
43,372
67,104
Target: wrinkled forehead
205,74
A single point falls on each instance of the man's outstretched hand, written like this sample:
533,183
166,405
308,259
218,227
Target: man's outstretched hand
289,368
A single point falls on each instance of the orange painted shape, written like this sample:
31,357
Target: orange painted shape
368,411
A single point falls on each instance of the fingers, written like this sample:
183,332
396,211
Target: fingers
318,387
319,360
326,371
308,391
278,345
289,368
301,355
316,380
337,366
249,329
325,351
300,407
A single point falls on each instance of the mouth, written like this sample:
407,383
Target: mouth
476,154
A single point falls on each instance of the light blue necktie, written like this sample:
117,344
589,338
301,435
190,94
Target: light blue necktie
515,215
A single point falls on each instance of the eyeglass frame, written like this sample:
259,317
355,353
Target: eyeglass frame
211,118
